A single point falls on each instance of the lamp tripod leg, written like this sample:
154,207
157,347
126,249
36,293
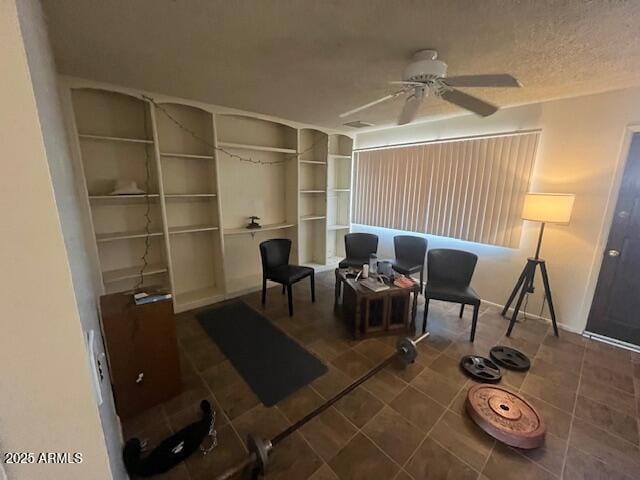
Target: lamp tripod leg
547,292
515,290
529,272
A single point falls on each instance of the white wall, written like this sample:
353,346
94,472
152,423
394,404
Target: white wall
579,153
46,398
83,270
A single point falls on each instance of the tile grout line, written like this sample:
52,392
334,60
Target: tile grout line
413,453
448,409
360,430
229,420
573,413
519,390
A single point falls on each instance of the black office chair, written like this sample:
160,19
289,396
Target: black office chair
358,247
275,267
410,253
449,274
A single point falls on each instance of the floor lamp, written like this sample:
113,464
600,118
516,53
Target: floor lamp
543,208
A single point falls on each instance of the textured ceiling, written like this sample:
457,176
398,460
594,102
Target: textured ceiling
310,60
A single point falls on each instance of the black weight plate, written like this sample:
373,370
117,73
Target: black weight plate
510,358
481,369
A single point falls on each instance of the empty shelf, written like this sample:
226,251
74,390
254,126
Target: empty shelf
244,146
133,198
119,274
244,284
191,229
190,195
186,155
313,191
338,227
197,298
114,139
312,217
335,155
339,189
313,162
112,236
265,228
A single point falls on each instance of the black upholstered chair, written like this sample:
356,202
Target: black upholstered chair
410,253
449,274
358,247
275,267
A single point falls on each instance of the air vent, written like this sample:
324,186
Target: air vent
358,124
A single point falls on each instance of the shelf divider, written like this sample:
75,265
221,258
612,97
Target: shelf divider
186,155
106,138
265,228
245,146
191,229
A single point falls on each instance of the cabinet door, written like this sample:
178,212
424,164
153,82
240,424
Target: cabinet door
398,310
156,346
142,352
375,314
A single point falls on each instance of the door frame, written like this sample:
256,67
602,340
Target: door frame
607,222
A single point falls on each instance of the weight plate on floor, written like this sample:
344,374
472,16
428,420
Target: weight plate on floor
510,358
406,350
481,369
506,416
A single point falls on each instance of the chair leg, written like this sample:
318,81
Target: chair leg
313,286
461,310
264,290
283,287
476,308
421,279
426,312
290,299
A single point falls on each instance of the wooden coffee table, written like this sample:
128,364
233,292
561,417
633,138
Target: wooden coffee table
376,313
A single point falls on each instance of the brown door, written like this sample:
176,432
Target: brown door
615,312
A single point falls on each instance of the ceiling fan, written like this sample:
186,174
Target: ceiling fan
426,75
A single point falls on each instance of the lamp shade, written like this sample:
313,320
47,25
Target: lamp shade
548,207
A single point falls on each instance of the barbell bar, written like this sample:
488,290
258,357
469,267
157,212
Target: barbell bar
260,449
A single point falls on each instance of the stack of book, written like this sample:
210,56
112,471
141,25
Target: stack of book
142,298
374,284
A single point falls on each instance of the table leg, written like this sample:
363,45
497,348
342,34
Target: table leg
356,320
414,310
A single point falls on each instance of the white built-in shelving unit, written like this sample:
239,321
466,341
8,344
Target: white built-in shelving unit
200,194
338,195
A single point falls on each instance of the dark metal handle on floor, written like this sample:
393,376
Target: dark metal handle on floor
405,350
235,470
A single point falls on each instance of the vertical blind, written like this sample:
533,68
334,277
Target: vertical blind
471,189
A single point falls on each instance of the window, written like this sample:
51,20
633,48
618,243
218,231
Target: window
471,188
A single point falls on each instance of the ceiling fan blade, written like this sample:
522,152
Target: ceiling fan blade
468,102
411,106
490,80
371,104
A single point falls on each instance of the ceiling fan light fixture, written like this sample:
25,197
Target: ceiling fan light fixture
358,124
425,67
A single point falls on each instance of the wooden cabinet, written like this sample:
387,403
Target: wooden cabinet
142,351
375,313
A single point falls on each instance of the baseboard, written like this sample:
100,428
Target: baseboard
561,326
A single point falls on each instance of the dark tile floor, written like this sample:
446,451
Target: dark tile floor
409,423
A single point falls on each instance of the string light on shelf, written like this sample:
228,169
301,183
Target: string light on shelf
147,213
215,148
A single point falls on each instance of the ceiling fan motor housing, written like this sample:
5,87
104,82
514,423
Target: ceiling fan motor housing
425,67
